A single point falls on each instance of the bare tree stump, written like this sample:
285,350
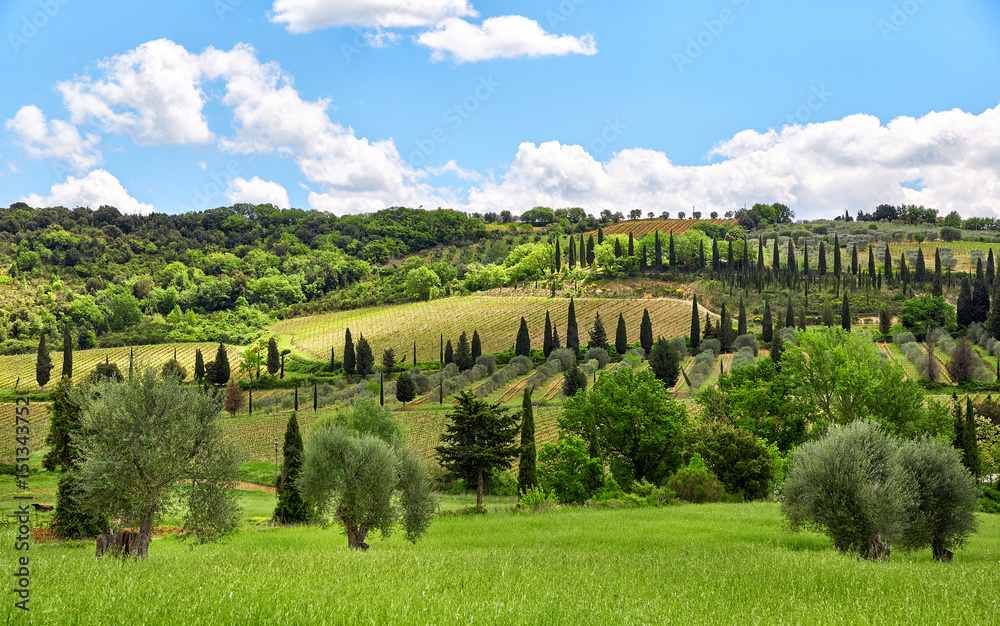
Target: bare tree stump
123,543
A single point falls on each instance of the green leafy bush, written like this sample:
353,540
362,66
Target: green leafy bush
695,483
738,458
537,499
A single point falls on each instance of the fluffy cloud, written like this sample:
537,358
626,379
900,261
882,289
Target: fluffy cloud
303,16
153,93
257,191
93,190
56,139
817,169
505,37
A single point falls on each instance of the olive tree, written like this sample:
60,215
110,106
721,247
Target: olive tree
152,446
357,469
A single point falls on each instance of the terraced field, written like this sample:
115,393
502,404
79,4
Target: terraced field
496,319
22,366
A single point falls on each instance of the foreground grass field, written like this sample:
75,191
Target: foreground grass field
721,563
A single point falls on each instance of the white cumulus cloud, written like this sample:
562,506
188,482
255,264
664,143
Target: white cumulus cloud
818,169
257,191
93,190
505,37
303,16
54,139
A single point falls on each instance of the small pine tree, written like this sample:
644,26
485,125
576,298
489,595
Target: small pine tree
199,366
547,337
768,330
621,336
695,326
43,363
406,389
365,360
827,314
350,357
598,336
572,333
477,347
463,353
664,361
573,381
789,314
777,348
884,322
233,401
523,345
291,509
449,353
389,361
67,364
273,357
527,477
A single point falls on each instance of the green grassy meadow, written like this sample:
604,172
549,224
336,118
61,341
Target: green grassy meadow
718,563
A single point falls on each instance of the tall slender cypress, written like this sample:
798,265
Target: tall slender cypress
964,308
349,355
775,258
621,336
590,250
672,252
695,326
583,252
631,246
741,324
822,259
768,330
887,265
547,337
199,365
291,508
990,272
477,347
980,300
572,253
657,252
920,271
523,345
789,314
836,256
871,260
43,362
558,256
646,330
600,235
572,334
845,314
67,364
716,262
526,468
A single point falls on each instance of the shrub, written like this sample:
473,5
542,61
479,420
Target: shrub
743,358
738,458
749,340
173,368
565,356
695,483
902,338
598,354
712,345
487,361
951,234
536,499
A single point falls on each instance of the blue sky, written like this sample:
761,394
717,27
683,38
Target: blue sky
355,105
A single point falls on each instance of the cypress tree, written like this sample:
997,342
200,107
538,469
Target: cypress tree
980,300
695,327
836,256
477,347
993,318
802,317
937,261
657,252
871,260
979,268
598,336
441,350
43,362
965,436
621,336
291,509
349,356
547,337
760,256
381,390
220,373
583,251
845,315
741,325
558,256
775,258
805,259
729,258
716,263
726,333
274,360
295,395
920,270
463,354
646,328
768,330
590,250
672,252
642,259
789,314
523,345
555,338
315,398
792,268
600,235
527,477
573,380
884,322
822,259
701,255
449,353
199,365
827,313
365,360
936,288
631,246
67,364
887,265
777,347
572,253
406,389
415,350
904,271
618,248
572,334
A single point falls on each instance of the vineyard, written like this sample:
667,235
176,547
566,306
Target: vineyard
22,366
640,228
496,319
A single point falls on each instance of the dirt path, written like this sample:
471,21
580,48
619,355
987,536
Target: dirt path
555,388
254,487
507,395
942,371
